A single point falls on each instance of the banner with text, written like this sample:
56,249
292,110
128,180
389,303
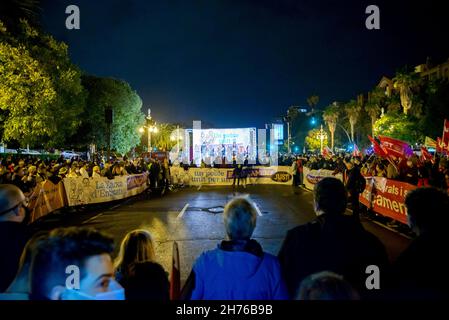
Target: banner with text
225,176
312,177
386,197
46,197
82,191
383,196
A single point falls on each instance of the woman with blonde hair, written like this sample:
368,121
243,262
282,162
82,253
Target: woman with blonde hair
137,271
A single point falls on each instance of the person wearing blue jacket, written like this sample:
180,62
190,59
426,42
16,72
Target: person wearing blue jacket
238,269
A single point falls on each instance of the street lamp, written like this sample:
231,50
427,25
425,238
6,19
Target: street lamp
151,128
321,135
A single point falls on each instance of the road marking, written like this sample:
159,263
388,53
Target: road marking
257,209
93,218
181,214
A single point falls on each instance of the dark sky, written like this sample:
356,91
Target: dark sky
239,63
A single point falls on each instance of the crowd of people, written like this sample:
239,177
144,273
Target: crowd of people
27,171
325,259
413,170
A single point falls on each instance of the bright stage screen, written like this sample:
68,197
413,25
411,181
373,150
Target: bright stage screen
213,144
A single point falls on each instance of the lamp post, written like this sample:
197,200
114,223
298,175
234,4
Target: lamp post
321,135
151,128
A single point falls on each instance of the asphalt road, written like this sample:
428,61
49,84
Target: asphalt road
193,218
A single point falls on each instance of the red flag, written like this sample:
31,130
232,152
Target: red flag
395,148
175,279
445,137
377,148
439,147
425,154
327,153
356,152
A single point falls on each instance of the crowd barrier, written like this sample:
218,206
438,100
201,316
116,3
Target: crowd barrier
48,197
383,196
225,176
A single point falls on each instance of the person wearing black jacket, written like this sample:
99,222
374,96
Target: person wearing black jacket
355,184
13,232
332,242
419,272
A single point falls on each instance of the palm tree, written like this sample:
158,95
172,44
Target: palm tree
353,109
162,139
406,82
312,101
330,116
373,106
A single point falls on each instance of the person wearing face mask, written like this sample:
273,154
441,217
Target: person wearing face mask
86,253
332,242
13,232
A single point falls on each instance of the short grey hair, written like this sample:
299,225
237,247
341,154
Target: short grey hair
240,217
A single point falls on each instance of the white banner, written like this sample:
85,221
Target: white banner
312,177
82,191
218,176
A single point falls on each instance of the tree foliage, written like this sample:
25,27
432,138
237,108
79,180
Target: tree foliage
313,140
399,126
128,117
41,93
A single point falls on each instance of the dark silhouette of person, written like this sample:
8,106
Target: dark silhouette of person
419,272
332,242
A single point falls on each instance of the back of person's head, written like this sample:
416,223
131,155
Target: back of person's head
427,209
326,285
21,283
85,249
240,217
147,281
330,197
137,246
12,200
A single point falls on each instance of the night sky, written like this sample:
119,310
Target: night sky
237,63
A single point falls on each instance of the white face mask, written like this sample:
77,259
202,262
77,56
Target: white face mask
116,293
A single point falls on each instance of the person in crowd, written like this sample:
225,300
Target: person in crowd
332,242
84,171
392,171
326,285
62,173
41,173
355,184
17,179
107,171
20,286
237,172
13,232
424,174
74,171
300,170
53,174
380,170
29,179
166,173
410,173
415,273
294,172
96,173
137,270
238,268
3,171
88,253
